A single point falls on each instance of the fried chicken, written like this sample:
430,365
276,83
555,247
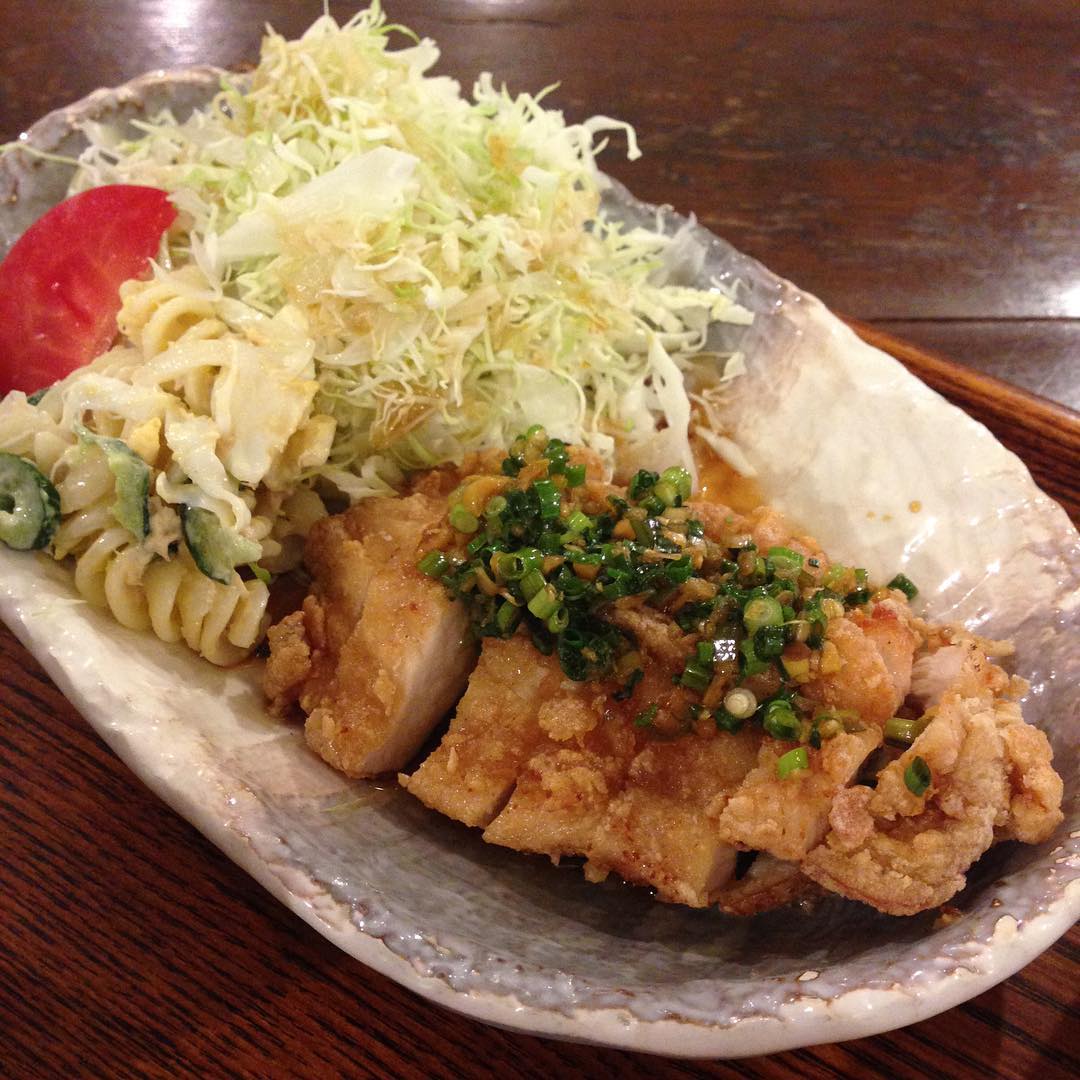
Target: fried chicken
787,817
991,777
378,654
666,777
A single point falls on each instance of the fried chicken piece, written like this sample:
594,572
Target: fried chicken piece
290,651
564,789
769,883
788,817
379,653
499,724
1035,789
959,661
661,829
875,656
903,853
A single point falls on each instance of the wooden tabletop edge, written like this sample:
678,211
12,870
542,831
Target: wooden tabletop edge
935,369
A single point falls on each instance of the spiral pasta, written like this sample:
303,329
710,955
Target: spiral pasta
213,403
143,590
221,622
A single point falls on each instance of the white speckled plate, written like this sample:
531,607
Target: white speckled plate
845,440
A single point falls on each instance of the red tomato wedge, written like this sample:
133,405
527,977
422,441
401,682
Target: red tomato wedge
59,285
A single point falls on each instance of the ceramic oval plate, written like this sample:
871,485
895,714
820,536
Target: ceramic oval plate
882,469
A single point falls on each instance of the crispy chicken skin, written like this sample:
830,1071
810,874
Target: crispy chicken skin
788,817
378,654
563,790
875,654
496,729
661,830
991,778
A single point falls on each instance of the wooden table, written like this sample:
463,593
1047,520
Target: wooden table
913,164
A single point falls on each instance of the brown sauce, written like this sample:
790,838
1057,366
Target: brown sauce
720,483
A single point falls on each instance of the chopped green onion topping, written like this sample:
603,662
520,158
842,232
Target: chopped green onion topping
507,618
742,607
779,720
905,585
509,566
550,499
917,776
641,483
762,611
646,716
575,475
783,562
793,761
532,583
434,564
769,642
462,519
899,730
577,524
696,676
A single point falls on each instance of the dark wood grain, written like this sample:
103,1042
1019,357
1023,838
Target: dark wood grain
1040,355
913,164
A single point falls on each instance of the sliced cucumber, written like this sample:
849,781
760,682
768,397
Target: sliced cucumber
132,506
29,505
217,551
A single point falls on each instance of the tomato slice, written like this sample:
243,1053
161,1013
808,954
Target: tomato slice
59,285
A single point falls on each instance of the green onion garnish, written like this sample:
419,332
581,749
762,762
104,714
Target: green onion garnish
549,497
434,564
575,475
750,664
779,720
646,716
507,618
783,562
769,642
642,482
899,730
762,611
675,481
463,520
679,570
917,776
531,583
696,676
791,762
544,602
509,566
576,525
905,585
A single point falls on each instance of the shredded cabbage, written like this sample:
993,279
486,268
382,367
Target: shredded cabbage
447,258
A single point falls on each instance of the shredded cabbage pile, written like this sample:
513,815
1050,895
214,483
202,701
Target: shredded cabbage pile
448,257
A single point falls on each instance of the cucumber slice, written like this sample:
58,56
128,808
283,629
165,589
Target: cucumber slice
217,551
29,505
132,506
